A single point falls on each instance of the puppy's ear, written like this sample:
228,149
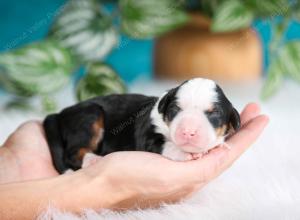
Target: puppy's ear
235,120
54,138
166,100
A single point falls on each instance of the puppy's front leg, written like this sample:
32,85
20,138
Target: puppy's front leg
90,159
175,153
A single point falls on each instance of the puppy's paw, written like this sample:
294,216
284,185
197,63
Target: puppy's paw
188,156
196,156
69,171
193,156
90,159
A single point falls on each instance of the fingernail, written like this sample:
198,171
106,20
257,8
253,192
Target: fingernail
267,118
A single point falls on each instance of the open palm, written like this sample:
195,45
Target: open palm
30,158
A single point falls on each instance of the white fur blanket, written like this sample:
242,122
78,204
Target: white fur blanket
263,184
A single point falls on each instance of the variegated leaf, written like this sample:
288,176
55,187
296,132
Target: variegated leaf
209,6
85,28
39,68
287,63
146,19
273,82
100,79
267,8
289,58
231,15
296,11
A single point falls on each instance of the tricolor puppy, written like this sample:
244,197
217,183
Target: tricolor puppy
182,124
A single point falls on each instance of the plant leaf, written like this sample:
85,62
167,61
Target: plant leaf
209,6
273,82
100,79
287,63
48,104
289,58
230,16
39,68
146,19
85,28
296,11
19,104
267,8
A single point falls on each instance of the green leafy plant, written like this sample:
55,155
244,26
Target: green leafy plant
84,32
232,15
99,79
36,69
145,19
86,29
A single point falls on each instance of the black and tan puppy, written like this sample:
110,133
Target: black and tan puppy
182,124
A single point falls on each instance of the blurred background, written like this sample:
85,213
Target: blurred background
54,53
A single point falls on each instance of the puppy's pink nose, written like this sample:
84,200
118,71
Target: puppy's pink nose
188,133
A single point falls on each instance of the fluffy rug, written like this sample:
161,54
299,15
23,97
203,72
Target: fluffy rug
263,184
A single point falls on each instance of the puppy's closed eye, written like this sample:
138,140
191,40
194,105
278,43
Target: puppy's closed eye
172,111
215,117
213,112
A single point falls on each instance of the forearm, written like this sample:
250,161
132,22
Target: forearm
9,170
75,192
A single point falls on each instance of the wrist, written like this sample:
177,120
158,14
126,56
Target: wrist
85,189
8,166
112,191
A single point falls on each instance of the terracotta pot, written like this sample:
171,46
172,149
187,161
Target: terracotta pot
193,51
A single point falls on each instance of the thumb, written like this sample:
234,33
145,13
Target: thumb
220,158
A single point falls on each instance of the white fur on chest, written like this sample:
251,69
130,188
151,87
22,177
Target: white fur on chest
173,152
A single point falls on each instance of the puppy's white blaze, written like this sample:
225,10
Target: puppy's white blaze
197,93
157,120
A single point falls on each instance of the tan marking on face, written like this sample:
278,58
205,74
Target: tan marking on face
231,129
220,131
98,128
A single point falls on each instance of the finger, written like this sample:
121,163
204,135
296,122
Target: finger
243,139
250,111
29,136
24,131
213,163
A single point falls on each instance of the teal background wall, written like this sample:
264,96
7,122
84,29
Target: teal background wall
22,22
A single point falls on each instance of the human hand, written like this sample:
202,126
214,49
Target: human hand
25,155
147,180
136,179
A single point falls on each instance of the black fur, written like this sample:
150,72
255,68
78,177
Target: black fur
126,121
168,106
56,145
223,112
127,125
68,131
